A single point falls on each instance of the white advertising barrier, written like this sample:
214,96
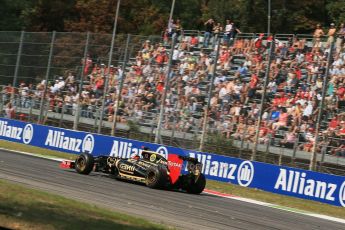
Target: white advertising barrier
282,180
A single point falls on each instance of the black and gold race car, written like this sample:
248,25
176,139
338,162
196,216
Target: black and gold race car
150,168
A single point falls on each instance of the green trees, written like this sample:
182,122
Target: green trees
336,11
150,16
11,14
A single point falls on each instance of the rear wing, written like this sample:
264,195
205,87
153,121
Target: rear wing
152,156
189,159
146,154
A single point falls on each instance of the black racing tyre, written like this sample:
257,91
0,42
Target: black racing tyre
196,187
114,172
156,177
84,163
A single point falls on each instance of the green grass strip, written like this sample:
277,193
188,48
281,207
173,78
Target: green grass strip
24,208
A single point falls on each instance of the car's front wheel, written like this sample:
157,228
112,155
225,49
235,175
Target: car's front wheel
84,163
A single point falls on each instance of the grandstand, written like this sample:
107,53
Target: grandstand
293,96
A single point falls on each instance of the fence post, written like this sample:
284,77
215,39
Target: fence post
2,101
267,147
40,118
242,139
122,78
77,109
19,103
173,131
63,109
269,18
323,152
46,109
31,107
109,63
295,146
313,158
207,109
152,129
281,156
96,116
267,74
165,91
19,54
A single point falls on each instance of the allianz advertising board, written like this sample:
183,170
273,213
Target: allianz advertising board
282,180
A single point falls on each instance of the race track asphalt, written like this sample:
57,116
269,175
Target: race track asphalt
177,209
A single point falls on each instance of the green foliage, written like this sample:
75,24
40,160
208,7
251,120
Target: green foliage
336,11
133,126
47,15
11,12
217,143
151,16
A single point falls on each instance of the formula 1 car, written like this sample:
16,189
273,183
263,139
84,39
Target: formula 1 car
151,169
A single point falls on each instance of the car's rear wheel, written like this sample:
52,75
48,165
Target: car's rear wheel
84,163
196,186
156,177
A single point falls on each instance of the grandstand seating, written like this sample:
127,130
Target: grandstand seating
295,80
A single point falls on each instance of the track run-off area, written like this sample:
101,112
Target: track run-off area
172,208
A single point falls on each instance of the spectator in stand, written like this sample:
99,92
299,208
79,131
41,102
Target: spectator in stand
193,43
254,80
258,42
334,123
318,33
228,126
310,139
217,30
148,101
227,32
282,119
340,93
209,24
265,132
340,38
234,31
87,64
339,151
170,29
341,131
240,130
250,132
330,34
6,92
290,138
243,70
10,111
161,58
175,29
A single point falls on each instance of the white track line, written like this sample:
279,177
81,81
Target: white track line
34,155
215,193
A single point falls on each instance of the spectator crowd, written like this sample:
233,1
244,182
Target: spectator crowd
294,87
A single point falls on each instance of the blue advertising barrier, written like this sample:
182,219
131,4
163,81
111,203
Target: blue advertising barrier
271,178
